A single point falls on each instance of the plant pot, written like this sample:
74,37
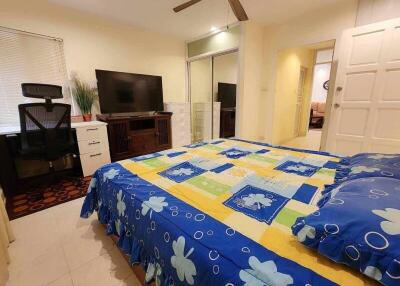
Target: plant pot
87,117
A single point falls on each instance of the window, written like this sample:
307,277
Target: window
324,56
26,57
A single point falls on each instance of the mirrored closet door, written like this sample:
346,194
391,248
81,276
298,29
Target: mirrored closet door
201,99
212,96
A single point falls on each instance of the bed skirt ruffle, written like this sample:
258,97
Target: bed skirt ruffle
126,242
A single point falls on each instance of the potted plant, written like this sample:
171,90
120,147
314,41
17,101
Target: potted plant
85,96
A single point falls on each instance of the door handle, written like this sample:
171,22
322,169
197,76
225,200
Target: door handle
336,105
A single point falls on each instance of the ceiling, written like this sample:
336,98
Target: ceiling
194,21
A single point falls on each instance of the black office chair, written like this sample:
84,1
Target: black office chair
45,127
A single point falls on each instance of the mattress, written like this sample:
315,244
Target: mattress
218,213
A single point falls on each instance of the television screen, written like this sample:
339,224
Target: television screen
121,92
227,95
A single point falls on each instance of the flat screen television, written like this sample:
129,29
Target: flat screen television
122,93
227,95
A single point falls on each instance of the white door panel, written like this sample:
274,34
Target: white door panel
366,48
385,147
395,42
365,115
353,121
359,86
344,145
387,123
391,91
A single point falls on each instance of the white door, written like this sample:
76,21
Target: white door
365,115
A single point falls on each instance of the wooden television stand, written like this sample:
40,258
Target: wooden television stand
131,136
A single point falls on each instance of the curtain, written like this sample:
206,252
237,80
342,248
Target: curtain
6,236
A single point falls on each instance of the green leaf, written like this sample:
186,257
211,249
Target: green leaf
84,95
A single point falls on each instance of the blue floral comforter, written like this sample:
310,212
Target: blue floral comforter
217,213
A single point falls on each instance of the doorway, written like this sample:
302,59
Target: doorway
320,85
302,87
212,96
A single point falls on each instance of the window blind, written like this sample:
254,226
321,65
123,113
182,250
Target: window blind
31,58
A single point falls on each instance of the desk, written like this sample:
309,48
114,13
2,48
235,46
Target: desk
16,129
92,141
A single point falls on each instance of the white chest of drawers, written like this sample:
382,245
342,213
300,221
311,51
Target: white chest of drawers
93,145
180,122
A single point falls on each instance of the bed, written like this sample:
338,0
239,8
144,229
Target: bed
218,213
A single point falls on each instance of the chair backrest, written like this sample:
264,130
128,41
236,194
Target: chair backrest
45,129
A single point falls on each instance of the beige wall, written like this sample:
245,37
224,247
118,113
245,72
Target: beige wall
93,43
290,62
215,43
371,11
259,48
259,58
248,113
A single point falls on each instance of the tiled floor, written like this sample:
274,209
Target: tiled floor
55,247
311,142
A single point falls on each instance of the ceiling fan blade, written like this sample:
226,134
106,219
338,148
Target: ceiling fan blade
238,10
185,5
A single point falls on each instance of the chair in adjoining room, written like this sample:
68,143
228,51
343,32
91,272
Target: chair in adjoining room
317,114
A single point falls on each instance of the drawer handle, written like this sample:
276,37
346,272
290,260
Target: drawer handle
94,143
92,129
95,155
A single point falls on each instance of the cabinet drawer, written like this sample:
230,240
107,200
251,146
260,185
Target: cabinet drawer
91,133
144,143
92,161
93,145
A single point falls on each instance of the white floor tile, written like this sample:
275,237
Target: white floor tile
55,247
108,269
43,269
130,281
68,221
40,227
63,281
87,245
36,235
312,141
23,254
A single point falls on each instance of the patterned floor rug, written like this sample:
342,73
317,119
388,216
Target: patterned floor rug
45,195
